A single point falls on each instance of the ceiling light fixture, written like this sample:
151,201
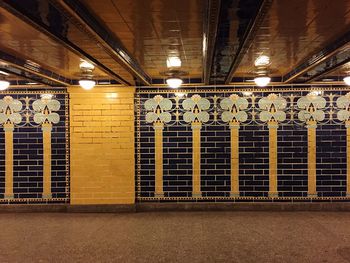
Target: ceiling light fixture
86,81
4,84
262,60
173,62
347,80
261,65
174,82
174,77
87,84
262,81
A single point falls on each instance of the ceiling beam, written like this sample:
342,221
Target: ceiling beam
108,40
248,37
25,76
15,8
329,68
210,28
317,58
29,70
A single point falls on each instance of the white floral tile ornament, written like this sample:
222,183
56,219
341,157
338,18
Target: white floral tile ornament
196,107
272,108
234,109
44,111
343,103
311,107
9,110
158,107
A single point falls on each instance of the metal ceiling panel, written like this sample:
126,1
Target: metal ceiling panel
236,17
293,32
153,30
49,17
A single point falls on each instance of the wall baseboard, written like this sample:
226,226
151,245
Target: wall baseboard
150,207
64,208
178,207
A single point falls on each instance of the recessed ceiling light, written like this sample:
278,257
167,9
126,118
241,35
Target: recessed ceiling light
262,61
173,62
31,83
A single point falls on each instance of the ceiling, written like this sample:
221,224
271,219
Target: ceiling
129,41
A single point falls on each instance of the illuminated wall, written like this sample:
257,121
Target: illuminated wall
110,146
102,146
34,150
226,145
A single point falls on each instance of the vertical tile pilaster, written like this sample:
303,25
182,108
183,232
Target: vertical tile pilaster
158,128
196,158
311,157
234,127
347,125
8,128
273,126
47,128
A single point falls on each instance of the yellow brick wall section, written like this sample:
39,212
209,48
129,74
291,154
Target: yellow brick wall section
102,145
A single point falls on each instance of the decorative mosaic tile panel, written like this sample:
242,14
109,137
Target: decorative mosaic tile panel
295,113
34,114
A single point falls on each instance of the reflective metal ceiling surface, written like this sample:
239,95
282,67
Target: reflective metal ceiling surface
294,30
129,41
153,30
23,41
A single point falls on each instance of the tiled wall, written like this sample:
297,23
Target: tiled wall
94,152
28,164
254,151
102,146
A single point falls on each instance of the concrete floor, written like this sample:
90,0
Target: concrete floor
176,237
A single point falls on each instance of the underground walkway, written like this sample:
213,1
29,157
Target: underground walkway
176,237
